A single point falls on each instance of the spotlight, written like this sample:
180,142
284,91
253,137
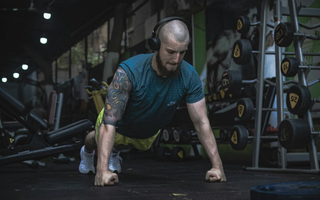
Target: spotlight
4,79
15,75
25,66
46,15
43,40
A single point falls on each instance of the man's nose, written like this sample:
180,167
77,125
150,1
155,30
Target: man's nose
176,57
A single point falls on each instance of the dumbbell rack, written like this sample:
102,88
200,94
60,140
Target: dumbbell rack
283,156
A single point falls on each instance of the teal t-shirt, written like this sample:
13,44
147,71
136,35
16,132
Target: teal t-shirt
153,100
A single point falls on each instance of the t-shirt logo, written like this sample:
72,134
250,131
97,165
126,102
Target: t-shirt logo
171,103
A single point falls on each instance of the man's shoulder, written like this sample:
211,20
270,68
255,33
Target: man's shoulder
137,59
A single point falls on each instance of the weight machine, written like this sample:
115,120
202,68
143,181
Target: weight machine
36,141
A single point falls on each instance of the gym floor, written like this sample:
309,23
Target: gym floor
143,177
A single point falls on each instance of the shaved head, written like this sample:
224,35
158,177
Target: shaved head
174,30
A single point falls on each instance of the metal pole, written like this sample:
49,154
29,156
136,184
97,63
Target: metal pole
282,162
260,83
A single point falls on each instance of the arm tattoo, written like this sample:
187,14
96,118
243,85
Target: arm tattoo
117,97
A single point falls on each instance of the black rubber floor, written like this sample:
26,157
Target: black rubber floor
143,177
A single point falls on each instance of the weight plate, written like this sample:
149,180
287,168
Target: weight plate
289,67
177,132
239,137
245,109
283,34
242,51
166,135
243,24
163,153
298,99
294,133
286,191
231,82
177,154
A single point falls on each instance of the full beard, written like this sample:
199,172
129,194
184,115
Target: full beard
164,71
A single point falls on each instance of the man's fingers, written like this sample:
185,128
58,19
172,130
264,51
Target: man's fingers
214,178
110,179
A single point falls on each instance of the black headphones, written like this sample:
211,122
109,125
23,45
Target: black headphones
154,42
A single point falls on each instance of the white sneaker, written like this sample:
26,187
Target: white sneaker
115,162
86,164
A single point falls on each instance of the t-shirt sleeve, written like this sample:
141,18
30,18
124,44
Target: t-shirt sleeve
194,91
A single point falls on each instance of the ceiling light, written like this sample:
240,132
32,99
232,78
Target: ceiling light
46,15
15,75
25,66
43,40
4,79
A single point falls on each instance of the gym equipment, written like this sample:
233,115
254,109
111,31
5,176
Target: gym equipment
242,51
290,67
244,24
285,33
239,137
224,134
286,191
283,156
97,90
38,143
294,133
298,99
231,81
245,109
176,153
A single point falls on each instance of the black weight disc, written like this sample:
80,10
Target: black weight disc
167,134
245,109
177,154
243,24
163,153
286,191
242,51
283,34
231,81
294,133
289,67
298,99
239,137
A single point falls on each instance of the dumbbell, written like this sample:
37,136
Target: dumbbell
224,134
298,101
176,153
245,109
284,34
218,96
177,134
231,82
290,67
244,24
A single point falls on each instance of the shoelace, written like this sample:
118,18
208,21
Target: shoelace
89,159
115,157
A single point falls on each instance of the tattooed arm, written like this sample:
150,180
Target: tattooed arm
116,101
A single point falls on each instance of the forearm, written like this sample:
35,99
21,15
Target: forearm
209,143
105,144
